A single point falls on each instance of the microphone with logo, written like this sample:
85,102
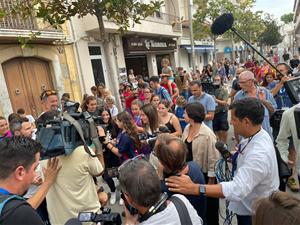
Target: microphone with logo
223,149
222,170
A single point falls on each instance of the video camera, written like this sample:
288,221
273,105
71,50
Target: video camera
60,133
150,139
105,218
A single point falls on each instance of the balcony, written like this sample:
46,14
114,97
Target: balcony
13,27
164,18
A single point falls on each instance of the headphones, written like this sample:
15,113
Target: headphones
159,206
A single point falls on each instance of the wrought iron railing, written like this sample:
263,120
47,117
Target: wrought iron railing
165,18
18,23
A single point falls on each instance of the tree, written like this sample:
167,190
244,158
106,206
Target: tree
270,36
287,18
124,13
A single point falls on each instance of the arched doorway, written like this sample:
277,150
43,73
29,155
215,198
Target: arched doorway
26,78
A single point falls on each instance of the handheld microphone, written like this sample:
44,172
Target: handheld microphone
223,149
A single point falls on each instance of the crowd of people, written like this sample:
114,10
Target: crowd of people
162,143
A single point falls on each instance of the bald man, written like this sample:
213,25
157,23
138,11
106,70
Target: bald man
250,89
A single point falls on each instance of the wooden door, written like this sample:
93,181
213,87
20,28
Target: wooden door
26,78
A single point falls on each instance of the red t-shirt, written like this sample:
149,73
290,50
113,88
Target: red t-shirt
128,100
171,92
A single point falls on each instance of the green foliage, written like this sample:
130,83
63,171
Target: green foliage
57,12
287,18
248,24
271,35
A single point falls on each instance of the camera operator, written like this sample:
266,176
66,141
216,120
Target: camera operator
19,156
49,100
142,191
74,190
171,153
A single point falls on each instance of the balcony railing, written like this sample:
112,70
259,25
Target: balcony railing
164,18
16,22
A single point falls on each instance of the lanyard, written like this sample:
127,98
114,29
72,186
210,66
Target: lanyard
239,151
4,192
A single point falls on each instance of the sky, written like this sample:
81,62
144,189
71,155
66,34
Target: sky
275,7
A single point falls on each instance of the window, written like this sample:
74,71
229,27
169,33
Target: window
97,66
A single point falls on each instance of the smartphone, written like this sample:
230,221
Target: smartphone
85,216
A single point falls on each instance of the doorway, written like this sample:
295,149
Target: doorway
26,78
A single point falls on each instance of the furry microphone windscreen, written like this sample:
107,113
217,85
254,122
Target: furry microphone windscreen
222,24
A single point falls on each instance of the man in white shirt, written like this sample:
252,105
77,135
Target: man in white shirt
256,173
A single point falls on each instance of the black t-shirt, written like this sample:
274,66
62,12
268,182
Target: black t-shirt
236,85
19,212
294,63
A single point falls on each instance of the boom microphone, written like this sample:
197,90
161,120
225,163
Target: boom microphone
223,149
222,24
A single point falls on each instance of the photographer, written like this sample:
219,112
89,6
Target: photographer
142,191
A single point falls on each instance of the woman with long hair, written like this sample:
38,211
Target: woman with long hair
149,118
269,81
111,160
168,119
155,99
148,95
127,143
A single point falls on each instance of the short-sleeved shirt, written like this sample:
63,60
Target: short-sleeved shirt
269,97
208,103
221,94
282,99
125,145
163,94
74,190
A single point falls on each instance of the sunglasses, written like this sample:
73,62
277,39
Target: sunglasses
128,161
47,93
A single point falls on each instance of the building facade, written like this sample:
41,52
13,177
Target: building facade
140,49
26,72
296,41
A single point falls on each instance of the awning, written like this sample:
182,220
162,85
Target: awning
198,48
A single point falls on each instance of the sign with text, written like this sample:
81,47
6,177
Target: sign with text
149,44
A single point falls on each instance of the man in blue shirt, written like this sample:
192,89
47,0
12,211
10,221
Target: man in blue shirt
249,89
208,101
159,90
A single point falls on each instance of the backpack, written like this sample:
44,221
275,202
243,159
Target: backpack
63,135
6,198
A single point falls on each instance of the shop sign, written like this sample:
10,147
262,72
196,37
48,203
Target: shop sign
150,44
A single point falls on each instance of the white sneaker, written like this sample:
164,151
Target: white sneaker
121,202
113,198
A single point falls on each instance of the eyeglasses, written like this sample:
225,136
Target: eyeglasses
47,93
128,161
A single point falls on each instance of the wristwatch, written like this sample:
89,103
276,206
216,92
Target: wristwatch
202,189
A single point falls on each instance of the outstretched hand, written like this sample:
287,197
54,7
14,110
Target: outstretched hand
52,170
